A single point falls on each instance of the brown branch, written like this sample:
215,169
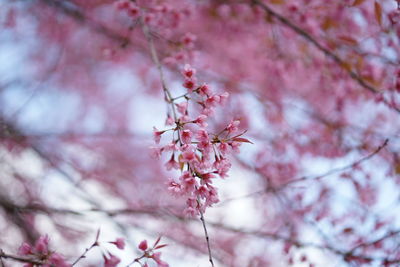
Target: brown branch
270,235
366,244
203,221
340,169
319,46
167,94
306,178
19,258
72,10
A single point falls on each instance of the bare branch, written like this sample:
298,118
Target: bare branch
319,46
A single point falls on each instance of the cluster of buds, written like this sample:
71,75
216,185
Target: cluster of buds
152,13
163,19
150,253
200,155
129,7
40,253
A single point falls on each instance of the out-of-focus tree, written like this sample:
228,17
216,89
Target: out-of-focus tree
276,139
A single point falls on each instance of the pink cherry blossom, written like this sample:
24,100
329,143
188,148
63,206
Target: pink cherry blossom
213,101
188,72
41,245
172,164
186,136
119,243
143,245
202,136
25,249
157,135
233,126
111,260
201,120
182,107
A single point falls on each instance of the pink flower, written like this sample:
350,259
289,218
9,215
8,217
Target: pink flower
172,164
25,249
155,152
41,245
184,118
188,181
188,71
235,146
157,135
124,4
143,245
207,111
201,120
191,212
204,90
202,191
186,136
188,156
212,196
233,126
171,147
206,148
189,84
58,260
175,188
157,258
170,121
206,178
148,18
112,261
133,11
223,98
119,243
222,167
182,107
212,101
223,148
202,136
188,39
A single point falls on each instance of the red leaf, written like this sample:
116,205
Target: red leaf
242,140
160,246
358,2
378,13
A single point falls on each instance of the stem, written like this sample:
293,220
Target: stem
95,244
203,221
20,259
156,61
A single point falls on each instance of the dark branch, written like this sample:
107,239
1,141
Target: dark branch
319,46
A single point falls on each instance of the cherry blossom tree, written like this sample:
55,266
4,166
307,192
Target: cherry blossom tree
200,133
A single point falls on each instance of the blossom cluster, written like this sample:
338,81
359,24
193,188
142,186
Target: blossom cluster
163,19
149,253
40,252
200,155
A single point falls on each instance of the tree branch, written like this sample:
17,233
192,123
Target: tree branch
20,259
319,46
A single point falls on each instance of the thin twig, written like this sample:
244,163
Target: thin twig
306,178
319,46
156,60
203,221
340,169
20,259
95,244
